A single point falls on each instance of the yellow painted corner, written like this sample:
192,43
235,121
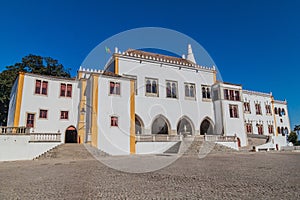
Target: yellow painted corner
132,118
19,99
94,127
116,65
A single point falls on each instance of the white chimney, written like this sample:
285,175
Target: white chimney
190,55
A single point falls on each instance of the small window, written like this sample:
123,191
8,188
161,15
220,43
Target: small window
64,114
248,127
205,92
171,89
247,107
151,87
38,84
62,89
258,108
190,90
226,94
231,95
30,120
44,87
114,121
43,114
260,129
275,111
236,95
270,129
233,111
69,90
114,88
41,87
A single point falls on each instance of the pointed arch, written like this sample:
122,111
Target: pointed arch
139,125
160,125
207,126
185,126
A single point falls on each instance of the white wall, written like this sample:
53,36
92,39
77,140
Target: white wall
253,118
282,121
153,147
18,147
114,140
32,103
147,108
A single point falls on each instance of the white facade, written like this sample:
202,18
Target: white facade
141,93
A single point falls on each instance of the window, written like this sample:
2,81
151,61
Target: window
260,129
279,111
226,96
41,87
236,95
62,89
151,87
275,111
114,88
247,107
282,111
233,95
268,109
30,120
270,129
171,89
233,111
189,90
258,108
248,127
43,114
113,121
64,114
65,90
69,90
205,92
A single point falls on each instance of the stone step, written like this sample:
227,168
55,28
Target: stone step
67,151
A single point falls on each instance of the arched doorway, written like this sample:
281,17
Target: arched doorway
160,125
206,127
71,135
185,127
139,125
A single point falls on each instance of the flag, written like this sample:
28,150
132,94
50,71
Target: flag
107,50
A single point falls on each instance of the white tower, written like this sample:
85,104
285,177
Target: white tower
190,55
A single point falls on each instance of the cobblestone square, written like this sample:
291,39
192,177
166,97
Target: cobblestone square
217,176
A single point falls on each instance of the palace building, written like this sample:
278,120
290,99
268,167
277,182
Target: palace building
143,103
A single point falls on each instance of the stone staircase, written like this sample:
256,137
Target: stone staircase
196,146
68,152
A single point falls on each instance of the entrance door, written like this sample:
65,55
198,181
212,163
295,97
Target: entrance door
71,135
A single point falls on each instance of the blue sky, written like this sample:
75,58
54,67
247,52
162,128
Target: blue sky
253,43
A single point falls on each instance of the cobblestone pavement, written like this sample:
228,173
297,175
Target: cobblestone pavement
217,176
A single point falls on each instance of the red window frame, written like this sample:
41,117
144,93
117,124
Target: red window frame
64,114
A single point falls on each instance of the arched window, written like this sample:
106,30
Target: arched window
279,111
186,91
278,130
148,86
154,89
208,93
283,111
203,92
192,94
275,110
282,130
168,89
160,126
174,90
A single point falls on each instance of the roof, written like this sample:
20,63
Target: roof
139,54
158,57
